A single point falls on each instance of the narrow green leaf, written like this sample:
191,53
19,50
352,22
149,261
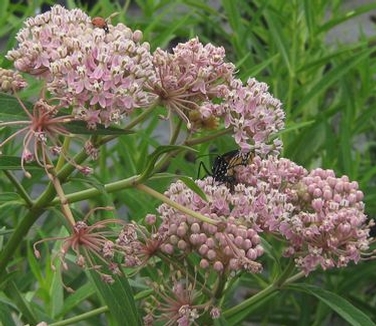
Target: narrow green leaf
11,109
163,38
20,301
344,308
6,317
236,316
349,15
74,299
8,162
221,322
189,182
277,36
56,291
118,297
332,76
92,181
35,266
255,69
233,14
6,197
157,153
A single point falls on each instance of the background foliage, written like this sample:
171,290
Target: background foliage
328,92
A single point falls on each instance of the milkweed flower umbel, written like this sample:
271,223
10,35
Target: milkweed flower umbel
179,300
190,76
92,246
229,246
195,82
319,219
255,116
42,129
325,224
330,228
101,75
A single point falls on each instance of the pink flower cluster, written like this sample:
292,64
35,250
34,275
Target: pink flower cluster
329,228
225,246
191,75
323,219
270,190
255,115
319,216
46,38
196,83
101,75
179,301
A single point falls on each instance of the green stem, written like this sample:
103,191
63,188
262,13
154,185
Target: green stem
93,192
23,228
294,278
68,168
263,294
84,316
258,297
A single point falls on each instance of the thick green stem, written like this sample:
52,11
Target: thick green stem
268,291
258,297
23,228
83,317
92,192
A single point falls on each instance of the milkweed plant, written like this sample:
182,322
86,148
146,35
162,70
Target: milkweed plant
268,224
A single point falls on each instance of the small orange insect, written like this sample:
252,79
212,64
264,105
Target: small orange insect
100,23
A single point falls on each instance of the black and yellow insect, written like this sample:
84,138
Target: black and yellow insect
223,167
